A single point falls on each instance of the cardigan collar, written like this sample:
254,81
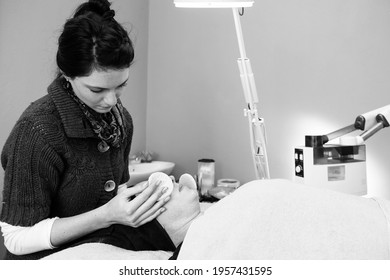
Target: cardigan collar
75,123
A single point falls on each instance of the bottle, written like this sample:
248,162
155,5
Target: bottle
206,176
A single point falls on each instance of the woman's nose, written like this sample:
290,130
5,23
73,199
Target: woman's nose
111,99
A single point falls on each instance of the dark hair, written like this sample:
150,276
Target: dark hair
93,39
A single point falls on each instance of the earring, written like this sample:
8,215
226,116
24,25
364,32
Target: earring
67,85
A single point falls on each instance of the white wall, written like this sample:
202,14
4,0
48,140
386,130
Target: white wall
317,65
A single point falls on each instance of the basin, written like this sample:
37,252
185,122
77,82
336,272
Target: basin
141,171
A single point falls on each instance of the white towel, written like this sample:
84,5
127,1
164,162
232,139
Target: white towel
278,219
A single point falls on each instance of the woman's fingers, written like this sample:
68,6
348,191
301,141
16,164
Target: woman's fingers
150,207
146,194
145,206
153,212
151,204
147,217
134,190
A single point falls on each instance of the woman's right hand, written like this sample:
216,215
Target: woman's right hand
121,209
135,212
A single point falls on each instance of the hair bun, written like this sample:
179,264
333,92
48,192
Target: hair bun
109,15
100,7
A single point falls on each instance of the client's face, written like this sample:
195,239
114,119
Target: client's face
182,208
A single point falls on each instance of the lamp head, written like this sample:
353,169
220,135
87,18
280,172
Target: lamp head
213,3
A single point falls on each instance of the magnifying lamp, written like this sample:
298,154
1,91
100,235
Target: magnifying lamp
256,124
213,4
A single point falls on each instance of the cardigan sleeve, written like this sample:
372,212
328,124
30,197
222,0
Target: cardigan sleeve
32,172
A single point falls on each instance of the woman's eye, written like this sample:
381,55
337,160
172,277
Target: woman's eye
96,90
102,90
123,85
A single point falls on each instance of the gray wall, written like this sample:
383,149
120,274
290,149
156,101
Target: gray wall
317,65
2,248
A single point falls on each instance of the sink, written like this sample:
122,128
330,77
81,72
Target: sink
141,171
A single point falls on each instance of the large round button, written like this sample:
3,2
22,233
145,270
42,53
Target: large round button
103,147
109,186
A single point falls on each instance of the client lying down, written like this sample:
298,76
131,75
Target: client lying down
265,219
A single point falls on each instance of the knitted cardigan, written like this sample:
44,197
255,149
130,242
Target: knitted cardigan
53,167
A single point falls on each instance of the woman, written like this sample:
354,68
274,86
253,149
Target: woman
66,160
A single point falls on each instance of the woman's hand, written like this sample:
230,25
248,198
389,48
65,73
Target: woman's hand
135,212
121,209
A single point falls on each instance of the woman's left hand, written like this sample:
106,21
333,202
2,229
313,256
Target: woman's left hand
136,205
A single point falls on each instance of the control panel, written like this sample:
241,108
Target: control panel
298,162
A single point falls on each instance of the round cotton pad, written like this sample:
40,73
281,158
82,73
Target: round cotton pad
188,181
166,181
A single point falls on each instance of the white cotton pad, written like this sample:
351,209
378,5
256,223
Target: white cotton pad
166,181
188,181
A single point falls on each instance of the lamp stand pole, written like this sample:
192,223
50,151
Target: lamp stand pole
256,124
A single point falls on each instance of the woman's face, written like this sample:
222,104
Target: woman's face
182,207
101,89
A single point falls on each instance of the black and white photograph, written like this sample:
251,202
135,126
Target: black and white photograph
195,139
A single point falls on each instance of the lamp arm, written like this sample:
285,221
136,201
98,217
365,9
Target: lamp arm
370,123
256,125
382,120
